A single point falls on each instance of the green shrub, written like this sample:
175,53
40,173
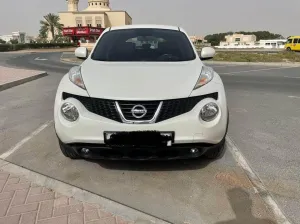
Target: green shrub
237,56
5,47
17,47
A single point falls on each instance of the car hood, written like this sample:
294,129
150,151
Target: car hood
140,80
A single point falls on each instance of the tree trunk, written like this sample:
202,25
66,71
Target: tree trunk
52,32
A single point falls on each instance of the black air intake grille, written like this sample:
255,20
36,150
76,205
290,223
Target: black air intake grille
176,107
170,108
102,107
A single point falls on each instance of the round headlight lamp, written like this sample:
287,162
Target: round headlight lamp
69,112
209,111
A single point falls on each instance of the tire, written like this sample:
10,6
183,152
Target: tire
288,49
219,150
68,151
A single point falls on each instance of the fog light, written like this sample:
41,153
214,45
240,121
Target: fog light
194,151
85,151
209,111
69,112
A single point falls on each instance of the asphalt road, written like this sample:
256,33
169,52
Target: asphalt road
264,105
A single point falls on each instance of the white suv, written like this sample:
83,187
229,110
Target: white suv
142,93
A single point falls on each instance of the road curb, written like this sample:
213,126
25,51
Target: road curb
21,81
69,61
80,194
277,64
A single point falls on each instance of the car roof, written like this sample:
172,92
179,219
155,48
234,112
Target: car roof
138,26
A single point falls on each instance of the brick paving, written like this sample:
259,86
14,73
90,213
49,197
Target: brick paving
23,202
8,75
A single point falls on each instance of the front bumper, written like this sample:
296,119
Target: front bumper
175,152
188,127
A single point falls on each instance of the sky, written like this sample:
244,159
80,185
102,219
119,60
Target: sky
197,17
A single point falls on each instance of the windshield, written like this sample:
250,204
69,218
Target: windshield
144,45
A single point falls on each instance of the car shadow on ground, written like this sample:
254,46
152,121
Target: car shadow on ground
241,204
171,165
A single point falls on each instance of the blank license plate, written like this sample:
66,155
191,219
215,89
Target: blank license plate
139,138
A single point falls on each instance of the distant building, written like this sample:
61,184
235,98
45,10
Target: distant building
266,44
29,39
276,43
238,39
197,39
19,36
87,25
6,38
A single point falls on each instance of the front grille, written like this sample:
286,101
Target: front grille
170,108
126,107
176,107
102,107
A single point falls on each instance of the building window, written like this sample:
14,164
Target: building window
98,21
78,21
237,39
88,21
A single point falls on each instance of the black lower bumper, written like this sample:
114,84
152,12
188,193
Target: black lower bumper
176,151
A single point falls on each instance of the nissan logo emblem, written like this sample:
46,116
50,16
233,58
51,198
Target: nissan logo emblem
138,111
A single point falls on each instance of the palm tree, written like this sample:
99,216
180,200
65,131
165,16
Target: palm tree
51,24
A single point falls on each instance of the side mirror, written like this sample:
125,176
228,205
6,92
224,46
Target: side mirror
207,53
81,53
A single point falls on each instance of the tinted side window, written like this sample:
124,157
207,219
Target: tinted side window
295,40
289,41
144,44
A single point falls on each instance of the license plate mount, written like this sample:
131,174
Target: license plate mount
139,138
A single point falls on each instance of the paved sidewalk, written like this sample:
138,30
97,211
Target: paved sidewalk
10,77
23,202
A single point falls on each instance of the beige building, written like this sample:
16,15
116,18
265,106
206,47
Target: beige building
19,36
97,14
197,39
238,39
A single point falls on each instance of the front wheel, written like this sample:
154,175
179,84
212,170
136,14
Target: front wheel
217,152
68,151
288,49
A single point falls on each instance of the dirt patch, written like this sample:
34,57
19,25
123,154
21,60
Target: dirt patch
234,179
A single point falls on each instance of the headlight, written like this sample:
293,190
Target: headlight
75,76
69,112
209,111
206,75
